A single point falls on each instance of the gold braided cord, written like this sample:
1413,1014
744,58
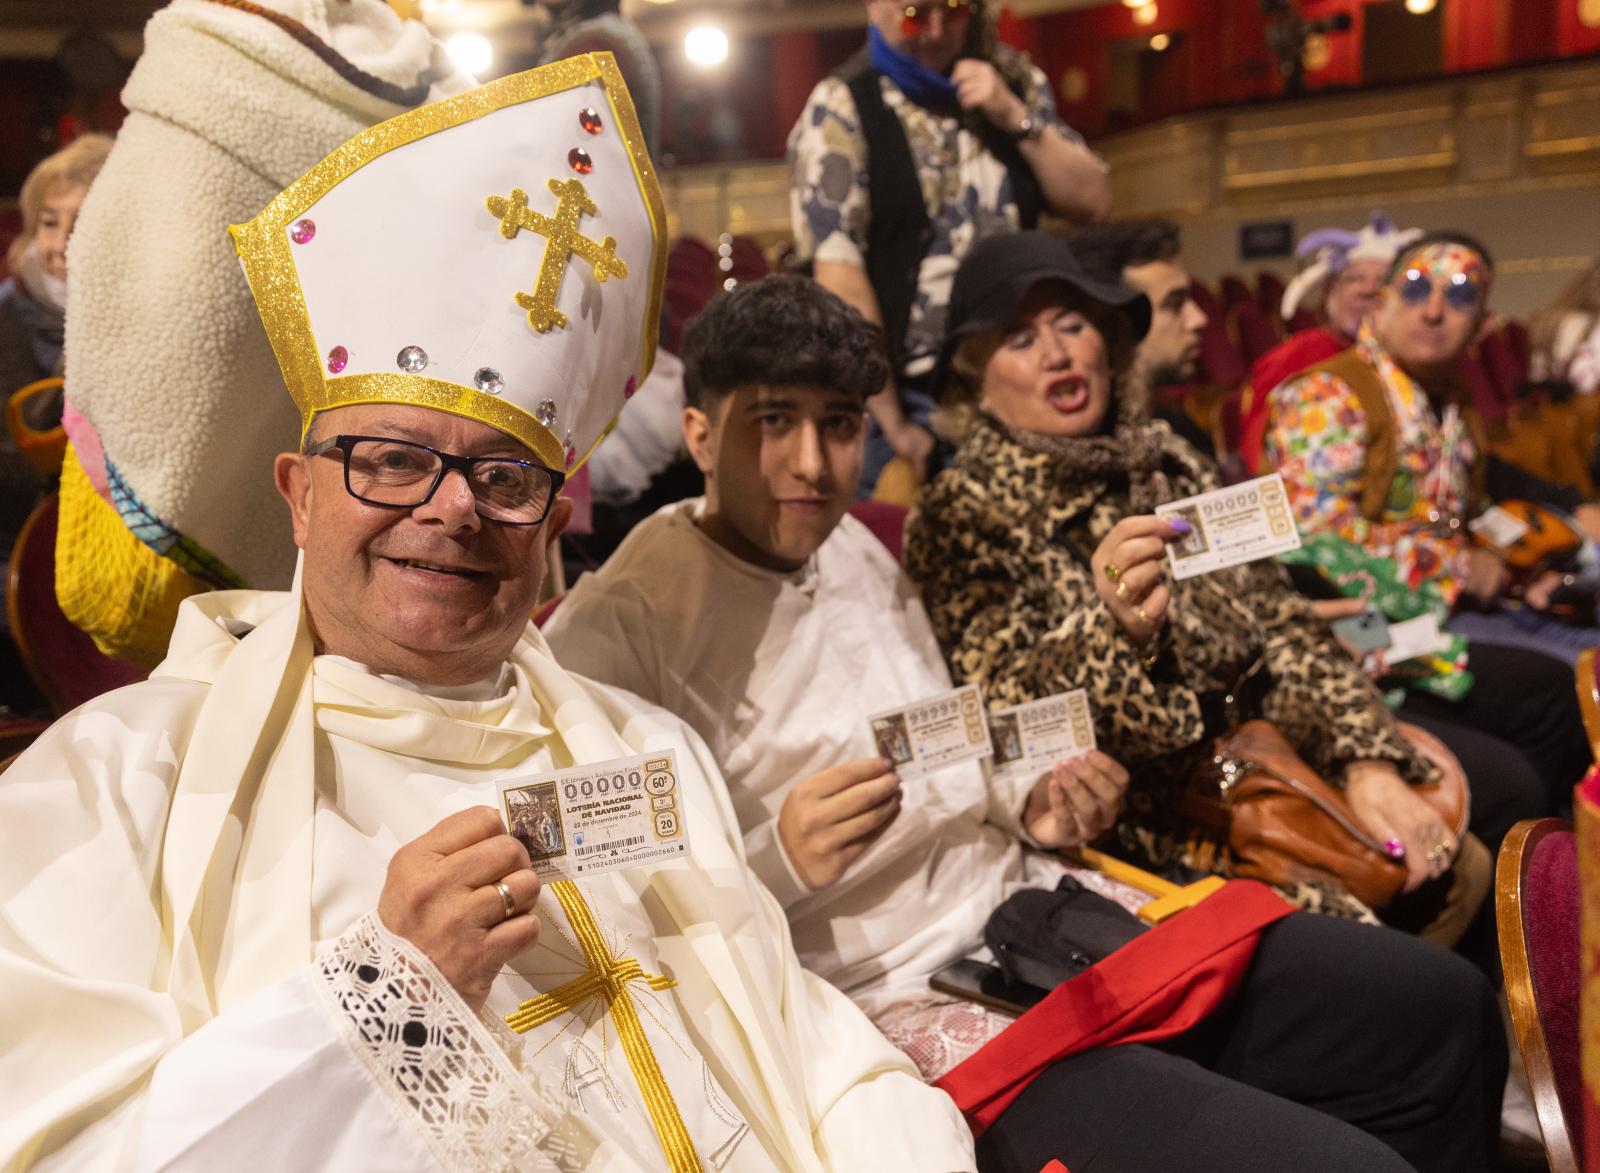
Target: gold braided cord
608,978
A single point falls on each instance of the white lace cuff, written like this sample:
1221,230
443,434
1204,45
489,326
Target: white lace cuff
451,1078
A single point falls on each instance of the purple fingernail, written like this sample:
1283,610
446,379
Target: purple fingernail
1395,849
1178,524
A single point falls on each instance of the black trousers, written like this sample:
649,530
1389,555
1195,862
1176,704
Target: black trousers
1348,1048
1518,732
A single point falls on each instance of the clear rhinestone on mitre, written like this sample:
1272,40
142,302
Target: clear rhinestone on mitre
545,413
411,359
488,379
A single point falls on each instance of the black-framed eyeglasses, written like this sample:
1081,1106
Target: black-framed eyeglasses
400,474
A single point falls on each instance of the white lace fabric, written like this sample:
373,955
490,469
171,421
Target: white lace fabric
938,1032
452,1075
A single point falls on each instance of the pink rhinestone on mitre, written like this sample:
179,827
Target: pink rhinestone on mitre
301,231
338,357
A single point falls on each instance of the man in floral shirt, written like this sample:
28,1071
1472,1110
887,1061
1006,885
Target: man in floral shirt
1379,446
931,108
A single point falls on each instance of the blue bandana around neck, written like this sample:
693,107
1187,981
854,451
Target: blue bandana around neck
922,85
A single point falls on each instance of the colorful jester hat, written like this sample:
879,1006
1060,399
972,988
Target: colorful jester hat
498,255
1325,253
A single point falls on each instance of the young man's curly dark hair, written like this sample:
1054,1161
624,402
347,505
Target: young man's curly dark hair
781,331
1104,250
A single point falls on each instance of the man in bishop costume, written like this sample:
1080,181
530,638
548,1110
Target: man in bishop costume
259,911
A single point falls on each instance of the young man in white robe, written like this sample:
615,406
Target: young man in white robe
262,911
775,624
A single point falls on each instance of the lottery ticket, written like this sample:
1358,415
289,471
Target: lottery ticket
1033,737
946,728
1229,526
596,818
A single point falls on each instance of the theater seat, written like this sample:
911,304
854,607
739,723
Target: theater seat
887,522
63,661
1589,696
1537,912
1253,332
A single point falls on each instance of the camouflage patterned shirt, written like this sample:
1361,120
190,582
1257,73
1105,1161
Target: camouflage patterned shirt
966,189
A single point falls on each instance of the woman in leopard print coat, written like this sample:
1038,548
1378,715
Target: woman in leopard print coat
1011,547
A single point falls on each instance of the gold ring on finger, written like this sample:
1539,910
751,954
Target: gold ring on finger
507,901
1122,589
1143,618
1113,571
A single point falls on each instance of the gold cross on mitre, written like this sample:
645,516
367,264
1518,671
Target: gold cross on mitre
562,240
607,978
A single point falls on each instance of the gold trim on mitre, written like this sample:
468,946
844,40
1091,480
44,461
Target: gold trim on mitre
264,250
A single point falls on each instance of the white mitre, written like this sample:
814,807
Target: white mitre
498,255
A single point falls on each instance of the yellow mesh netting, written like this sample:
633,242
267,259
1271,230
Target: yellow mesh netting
110,583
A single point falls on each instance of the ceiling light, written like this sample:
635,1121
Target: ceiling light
471,52
1134,3
1159,42
706,45
1145,15
1420,7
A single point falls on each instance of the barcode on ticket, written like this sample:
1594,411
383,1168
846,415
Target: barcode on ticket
590,849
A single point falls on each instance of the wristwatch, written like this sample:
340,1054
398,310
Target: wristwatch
1028,132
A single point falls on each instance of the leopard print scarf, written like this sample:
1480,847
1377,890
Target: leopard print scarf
1134,449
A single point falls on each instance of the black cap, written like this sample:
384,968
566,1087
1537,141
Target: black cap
996,277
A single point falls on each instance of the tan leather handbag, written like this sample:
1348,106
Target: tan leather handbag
1284,824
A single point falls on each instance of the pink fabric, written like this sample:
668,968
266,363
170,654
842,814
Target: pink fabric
86,443
1550,918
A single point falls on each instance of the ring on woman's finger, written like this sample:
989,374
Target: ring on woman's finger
1113,571
1122,589
1143,618
507,901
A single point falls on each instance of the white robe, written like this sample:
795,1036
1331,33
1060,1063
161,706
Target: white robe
176,851
779,672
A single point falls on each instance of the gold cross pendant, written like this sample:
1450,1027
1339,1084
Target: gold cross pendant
562,240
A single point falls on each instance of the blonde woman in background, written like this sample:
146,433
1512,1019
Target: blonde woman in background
33,301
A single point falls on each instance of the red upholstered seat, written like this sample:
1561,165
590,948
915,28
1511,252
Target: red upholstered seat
886,521
749,262
1537,909
1505,365
1220,361
1303,319
1206,300
1253,332
1233,292
1269,294
64,662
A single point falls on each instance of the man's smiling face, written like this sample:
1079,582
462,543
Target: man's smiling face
435,592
